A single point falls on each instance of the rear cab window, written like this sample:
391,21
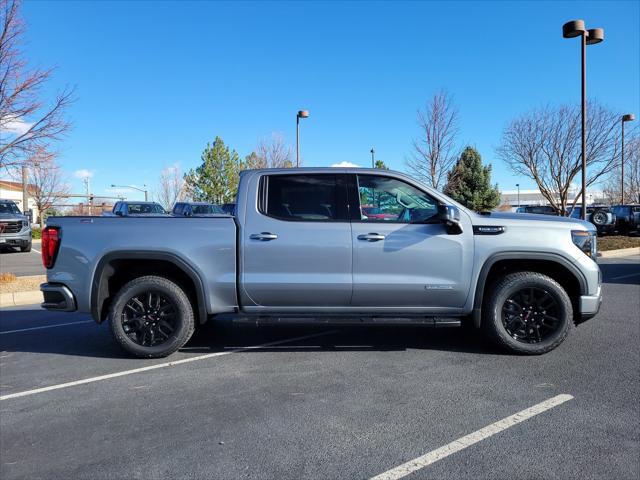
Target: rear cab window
304,198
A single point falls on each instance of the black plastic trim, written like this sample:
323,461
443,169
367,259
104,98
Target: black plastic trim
516,255
98,295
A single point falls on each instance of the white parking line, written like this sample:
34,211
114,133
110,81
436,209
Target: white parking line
468,440
156,367
626,276
44,326
37,251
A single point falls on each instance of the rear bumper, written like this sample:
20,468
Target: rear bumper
57,297
590,304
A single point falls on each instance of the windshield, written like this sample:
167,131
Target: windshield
9,207
144,208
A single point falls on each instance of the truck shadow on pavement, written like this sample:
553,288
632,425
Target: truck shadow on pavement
89,340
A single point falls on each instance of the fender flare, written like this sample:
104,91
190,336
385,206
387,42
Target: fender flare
517,255
98,285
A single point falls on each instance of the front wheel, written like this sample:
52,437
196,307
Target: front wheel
151,317
527,313
26,248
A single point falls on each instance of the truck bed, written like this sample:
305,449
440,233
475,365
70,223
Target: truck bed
206,245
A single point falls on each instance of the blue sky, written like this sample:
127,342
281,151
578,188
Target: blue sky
157,80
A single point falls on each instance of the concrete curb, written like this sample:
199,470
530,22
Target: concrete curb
20,298
622,252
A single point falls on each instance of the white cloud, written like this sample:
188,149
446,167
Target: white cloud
83,173
345,165
16,126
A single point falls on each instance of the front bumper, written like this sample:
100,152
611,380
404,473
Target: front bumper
57,297
20,239
590,304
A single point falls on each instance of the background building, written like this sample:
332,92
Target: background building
534,197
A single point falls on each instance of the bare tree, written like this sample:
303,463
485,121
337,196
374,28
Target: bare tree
171,188
27,124
271,152
612,182
47,181
434,152
544,145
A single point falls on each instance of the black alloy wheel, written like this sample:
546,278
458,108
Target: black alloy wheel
149,318
531,315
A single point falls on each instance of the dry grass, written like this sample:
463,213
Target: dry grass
614,243
22,284
7,277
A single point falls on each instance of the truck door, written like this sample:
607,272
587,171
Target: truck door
296,243
402,255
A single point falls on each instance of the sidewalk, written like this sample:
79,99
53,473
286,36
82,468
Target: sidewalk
22,291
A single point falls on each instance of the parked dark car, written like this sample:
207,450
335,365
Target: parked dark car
539,209
229,208
627,218
130,209
190,209
602,217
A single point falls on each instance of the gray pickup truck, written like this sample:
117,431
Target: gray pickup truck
15,230
300,248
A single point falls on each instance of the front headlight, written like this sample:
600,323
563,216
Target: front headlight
25,223
585,241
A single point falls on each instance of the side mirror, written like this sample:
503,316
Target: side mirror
450,216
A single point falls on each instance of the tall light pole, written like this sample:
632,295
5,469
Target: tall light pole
373,160
301,114
25,191
518,186
629,117
133,188
576,28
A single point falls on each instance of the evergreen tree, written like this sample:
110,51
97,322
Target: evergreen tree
469,182
216,179
381,165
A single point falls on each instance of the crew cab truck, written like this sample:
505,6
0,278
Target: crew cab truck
299,247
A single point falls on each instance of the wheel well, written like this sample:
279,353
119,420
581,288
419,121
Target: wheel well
115,273
561,274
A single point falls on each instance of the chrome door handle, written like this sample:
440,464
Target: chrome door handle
264,236
371,237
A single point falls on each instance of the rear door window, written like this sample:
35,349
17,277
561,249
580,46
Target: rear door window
306,198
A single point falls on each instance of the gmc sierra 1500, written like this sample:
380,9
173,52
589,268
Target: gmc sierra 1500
301,246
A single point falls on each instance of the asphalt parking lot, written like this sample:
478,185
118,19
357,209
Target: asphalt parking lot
21,264
322,402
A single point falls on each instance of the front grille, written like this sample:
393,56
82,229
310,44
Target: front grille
10,227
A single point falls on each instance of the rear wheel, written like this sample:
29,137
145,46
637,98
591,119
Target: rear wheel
527,313
599,218
151,317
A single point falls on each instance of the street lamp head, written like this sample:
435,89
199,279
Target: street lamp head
112,185
595,35
574,28
629,117
303,114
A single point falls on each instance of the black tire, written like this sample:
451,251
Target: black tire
133,339
599,218
500,300
26,249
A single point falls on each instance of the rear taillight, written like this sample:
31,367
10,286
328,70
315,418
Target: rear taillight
50,244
